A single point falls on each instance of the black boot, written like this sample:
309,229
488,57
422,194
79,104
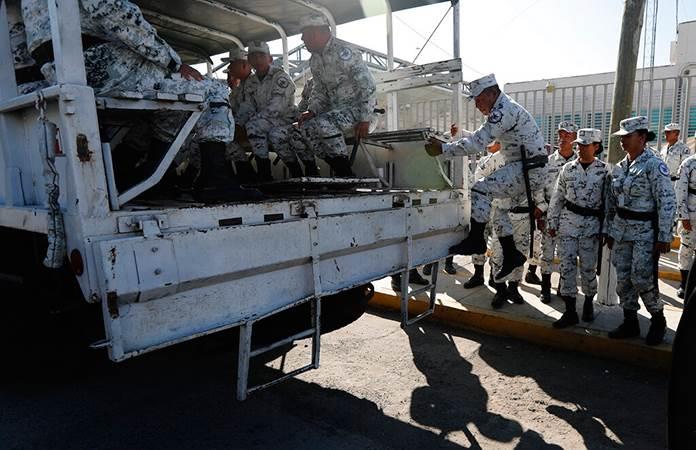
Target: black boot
263,167
682,284
656,333
415,278
474,244
245,172
545,295
215,182
295,169
629,328
531,276
341,166
396,282
512,258
570,316
514,293
501,295
427,269
476,279
449,266
310,168
588,309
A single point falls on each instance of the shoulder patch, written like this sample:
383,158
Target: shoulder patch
664,170
345,53
495,116
282,82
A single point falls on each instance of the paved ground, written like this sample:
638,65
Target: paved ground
379,387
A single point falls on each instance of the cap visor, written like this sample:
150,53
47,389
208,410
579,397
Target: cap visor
621,133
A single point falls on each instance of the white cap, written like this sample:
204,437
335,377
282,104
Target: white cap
632,124
236,54
672,127
258,47
568,126
313,20
477,86
587,136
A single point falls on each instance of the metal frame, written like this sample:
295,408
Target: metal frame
192,26
321,9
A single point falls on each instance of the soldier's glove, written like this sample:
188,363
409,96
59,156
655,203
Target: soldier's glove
433,147
686,223
541,224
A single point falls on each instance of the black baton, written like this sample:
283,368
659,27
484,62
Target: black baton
530,201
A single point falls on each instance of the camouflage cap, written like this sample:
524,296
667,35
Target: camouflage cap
236,54
313,20
587,136
568,126
672,127
258,47
475,87
632,124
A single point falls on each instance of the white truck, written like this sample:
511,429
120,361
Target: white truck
166,271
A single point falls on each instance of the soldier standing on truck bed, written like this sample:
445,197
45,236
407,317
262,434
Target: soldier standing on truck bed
123,52
522,174
343,98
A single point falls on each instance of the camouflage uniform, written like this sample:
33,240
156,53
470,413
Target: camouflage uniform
519,218
235,151
513,126
488,164
578,234
294,137
673,156
130,56
685,188
344,94
27,74
642,185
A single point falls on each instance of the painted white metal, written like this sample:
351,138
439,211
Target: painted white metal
321,9
392,101
193,26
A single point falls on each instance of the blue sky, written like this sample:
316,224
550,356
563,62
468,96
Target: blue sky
519,40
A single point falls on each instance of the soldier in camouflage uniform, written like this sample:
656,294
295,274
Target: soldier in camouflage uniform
515,127
567,133
269,95
27,73
574,217
675,151
640,214
685,189
123,52
343,98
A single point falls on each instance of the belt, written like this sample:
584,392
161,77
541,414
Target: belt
536,162
520,210
44,52
219,104
636,215
675,178
692,191
581,210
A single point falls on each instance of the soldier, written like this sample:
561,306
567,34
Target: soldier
123,52
343,98
567,133
27,73
574,218
675,152
270,94
521,140
685,188
238,72
640,213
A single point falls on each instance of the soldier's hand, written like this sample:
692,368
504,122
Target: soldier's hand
686,223
552,232
189,73
454,130
663,247
433,147
609,241
362,129
538,214
304,117
540,224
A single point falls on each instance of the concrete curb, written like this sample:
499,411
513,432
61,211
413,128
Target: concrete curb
633,351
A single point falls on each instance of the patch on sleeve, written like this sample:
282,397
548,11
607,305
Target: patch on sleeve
282,82
495,116
345,54
664,170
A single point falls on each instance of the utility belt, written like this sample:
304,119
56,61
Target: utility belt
692,191
582,211
535,162
520,210
627,214
44,53
219,105
674,178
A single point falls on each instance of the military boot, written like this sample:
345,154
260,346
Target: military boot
310,168
682,284
295,169
215,182
476,279
512,258
588,309
449,266
341,166
629,328
501,295
415,278
514,293
545,295
656,333
531,277
263,167
570,316
474,244
245,172
427,269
